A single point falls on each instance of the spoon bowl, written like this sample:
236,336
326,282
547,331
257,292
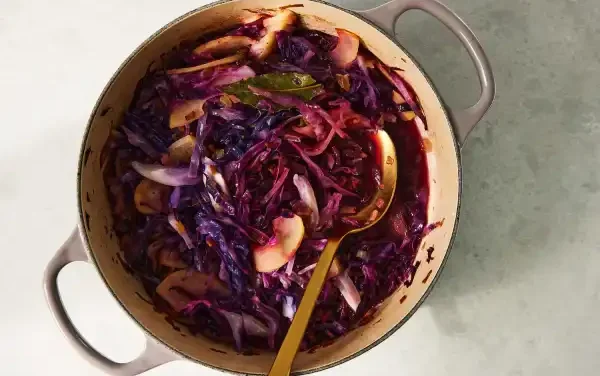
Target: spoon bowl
368,216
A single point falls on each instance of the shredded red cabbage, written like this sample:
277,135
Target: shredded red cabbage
225,226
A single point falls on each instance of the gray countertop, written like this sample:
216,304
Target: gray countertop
520,292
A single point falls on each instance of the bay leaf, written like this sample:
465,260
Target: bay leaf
290,83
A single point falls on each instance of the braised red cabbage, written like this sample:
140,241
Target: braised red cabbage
226,181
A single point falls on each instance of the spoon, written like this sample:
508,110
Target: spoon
368,216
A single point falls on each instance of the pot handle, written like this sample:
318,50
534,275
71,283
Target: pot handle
154,354
464,120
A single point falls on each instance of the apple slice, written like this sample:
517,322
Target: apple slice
159,255
230,43
194,283
186,112
346,50
269,258
182,149
282,247
211,64
171,258
252,17
289,233
264,47
284,19
150,197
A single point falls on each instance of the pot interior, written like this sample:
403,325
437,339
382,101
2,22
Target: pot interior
96,213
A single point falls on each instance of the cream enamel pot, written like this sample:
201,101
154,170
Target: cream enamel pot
94,241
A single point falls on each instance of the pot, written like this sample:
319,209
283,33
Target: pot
94,241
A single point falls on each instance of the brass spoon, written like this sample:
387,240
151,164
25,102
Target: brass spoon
369,215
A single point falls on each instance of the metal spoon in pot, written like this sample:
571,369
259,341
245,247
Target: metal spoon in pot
368,216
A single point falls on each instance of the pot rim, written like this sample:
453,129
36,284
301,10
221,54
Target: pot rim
80,165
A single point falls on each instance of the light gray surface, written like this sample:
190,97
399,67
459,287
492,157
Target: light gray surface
519,295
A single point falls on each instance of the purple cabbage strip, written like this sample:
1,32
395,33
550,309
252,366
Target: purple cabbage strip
204,128
297,50
372,93
325,181
270,316
175,197
330,210
277,186
141,142
254,327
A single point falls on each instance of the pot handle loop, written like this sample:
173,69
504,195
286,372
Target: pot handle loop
154,354
464,120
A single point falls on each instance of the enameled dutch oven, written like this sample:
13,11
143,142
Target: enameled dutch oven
93,241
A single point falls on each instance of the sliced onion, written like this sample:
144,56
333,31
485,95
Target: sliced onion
289,268
300,281
285,281
172,176
180,229
288,309
210,172
307,269
348,290
307,195
254,327
239,74
236,323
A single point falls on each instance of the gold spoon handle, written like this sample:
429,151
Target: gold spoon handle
282,365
